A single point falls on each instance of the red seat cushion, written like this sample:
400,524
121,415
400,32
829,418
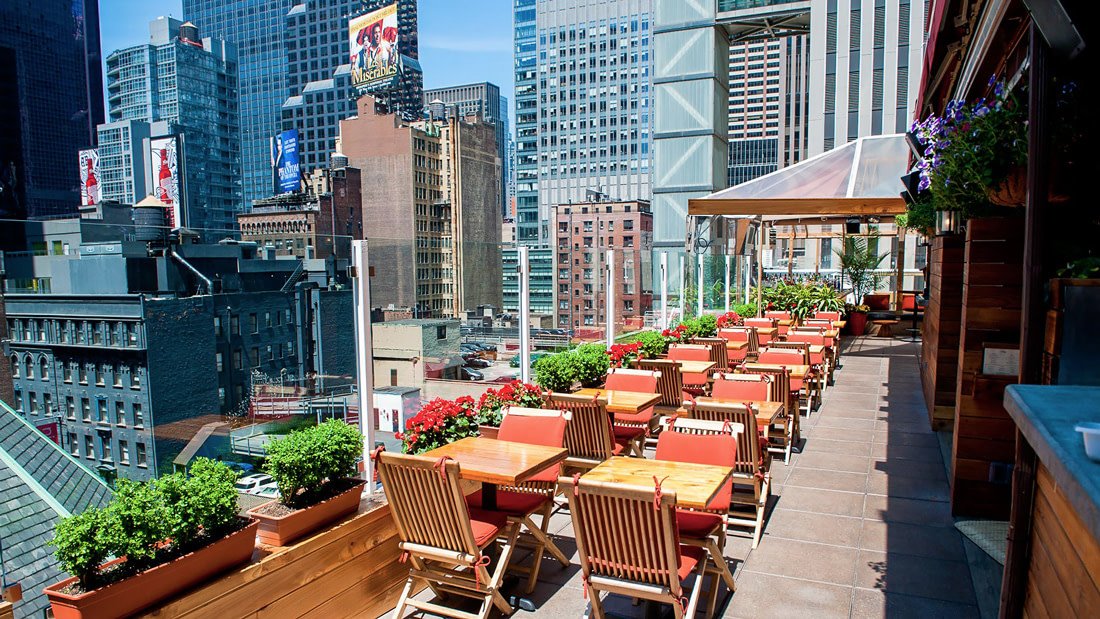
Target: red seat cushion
626,433
641,417
486,524
620,445
510,503
697,525
690,556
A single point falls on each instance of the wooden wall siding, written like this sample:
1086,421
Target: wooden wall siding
349,570
940,335
6,610
984,434
1064,568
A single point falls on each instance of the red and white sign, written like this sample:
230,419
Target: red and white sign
51,430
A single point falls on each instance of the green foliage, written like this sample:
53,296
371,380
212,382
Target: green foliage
800,298
303,461
82,543
858,261
204,502
591,364
701,326
653,345
1082,268
555,372
746,310
139,520
148,523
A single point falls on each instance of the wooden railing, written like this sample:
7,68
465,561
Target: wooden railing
349,568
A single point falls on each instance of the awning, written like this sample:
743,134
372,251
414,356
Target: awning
862,177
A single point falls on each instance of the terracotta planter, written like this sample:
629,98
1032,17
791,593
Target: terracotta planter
488,431
281,530
138,592
857,323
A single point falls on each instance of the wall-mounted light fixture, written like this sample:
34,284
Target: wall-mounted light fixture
947,222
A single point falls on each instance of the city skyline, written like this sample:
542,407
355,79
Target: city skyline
447,57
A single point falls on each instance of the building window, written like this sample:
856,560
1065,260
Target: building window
267,319
86,409
99,370
105,447
237,359
441,332
74,445
101,404
70,407
82,374
253,324
255,356
288,319
28,367
135,378
33,402
628,241
67,372
393,378
18,395
219,363
89,447
14,367
116,376
47,404
235,325
44,369
139,418
290,349
120,413
218,326
141,459
123,452
221,395
270,353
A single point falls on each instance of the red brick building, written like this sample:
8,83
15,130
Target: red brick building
585,231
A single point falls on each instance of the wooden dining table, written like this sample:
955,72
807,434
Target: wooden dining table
736,345
695,367
766,331
623,402
766,412
797,371
494,462
695,485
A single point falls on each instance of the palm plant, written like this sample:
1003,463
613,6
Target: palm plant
859,262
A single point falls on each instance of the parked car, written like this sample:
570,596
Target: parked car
251,484
469,374
477,363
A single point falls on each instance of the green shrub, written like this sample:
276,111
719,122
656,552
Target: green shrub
653,345
82,543
702,326
746,310
591,364
303,461
555,373
142,516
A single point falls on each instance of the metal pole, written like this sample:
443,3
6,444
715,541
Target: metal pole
524,317
760,267
683,287
609,298
699,293
364,353
664,290
727,283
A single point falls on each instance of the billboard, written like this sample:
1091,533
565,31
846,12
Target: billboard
284,158
165,181
375,49
89,177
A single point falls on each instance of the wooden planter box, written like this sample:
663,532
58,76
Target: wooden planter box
138,592
282,530
939,362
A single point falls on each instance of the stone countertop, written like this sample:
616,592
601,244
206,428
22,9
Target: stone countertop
1047,416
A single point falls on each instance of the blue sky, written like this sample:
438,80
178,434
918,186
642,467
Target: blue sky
460,42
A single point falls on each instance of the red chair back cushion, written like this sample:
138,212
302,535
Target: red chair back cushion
547,431
740,390
716,449
631,382
781,357
877,302
685,353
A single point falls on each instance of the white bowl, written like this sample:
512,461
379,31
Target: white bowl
1090,431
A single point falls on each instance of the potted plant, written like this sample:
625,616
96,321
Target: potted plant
591,364
312,469
859,261
745,310
438,423
624,355
168,536
555,373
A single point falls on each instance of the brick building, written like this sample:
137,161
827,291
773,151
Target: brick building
430,207
585,231
316,224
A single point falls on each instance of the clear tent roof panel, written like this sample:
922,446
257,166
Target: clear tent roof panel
869,167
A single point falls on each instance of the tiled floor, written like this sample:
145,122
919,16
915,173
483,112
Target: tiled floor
859,524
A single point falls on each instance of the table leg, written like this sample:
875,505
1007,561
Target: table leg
488,496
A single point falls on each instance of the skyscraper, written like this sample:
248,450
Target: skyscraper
258,29
51,99
181,85
484,100
865,69
588,124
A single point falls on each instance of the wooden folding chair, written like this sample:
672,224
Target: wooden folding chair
814,384
589,436
443,538
695,383
736,335
742,387
785,432
640,381
669,382
628,544
718,354
752,481
535,495
802,387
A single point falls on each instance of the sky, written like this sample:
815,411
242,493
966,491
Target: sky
460,42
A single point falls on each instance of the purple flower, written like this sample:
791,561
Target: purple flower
999,90
992,79
982,111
